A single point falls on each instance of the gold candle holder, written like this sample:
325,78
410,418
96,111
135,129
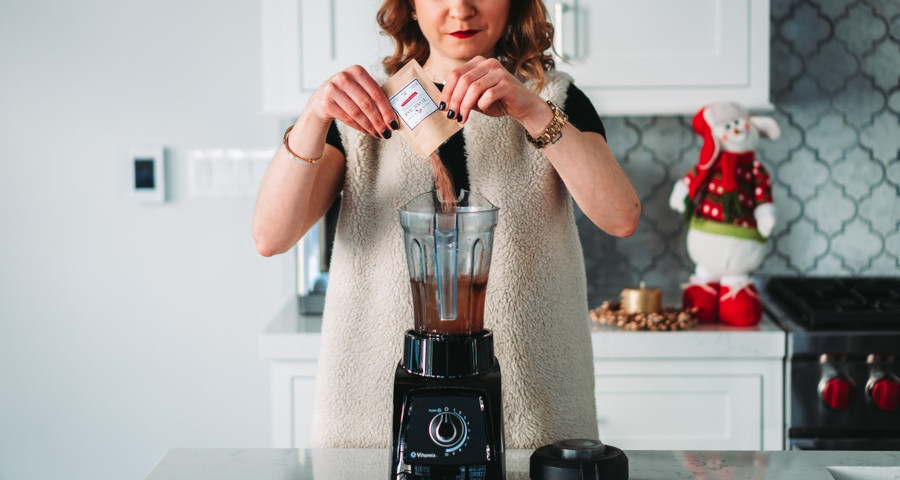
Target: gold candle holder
641,299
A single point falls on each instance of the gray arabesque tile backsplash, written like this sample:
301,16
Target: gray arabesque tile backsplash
835,83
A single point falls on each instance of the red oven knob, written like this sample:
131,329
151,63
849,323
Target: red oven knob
884,393
837,392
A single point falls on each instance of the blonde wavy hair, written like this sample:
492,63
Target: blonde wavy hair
522,50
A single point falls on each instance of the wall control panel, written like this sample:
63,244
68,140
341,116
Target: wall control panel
148,174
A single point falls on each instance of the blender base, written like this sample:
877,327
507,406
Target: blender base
448,428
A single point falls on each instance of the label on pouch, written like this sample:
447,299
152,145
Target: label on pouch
413,103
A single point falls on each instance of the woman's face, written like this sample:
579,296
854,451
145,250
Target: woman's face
458,30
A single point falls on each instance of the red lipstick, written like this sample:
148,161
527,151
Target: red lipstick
464,33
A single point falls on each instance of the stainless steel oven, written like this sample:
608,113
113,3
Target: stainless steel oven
842,362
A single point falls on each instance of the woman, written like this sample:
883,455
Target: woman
491,57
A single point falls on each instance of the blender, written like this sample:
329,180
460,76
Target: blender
448,418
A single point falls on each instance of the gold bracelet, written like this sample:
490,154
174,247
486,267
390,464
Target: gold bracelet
553,132
298,158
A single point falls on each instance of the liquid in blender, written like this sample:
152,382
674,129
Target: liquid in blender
448,254
470,294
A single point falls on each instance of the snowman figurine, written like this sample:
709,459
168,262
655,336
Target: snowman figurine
726,200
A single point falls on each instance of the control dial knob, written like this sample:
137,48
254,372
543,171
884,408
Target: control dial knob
837,392
884,393
448,430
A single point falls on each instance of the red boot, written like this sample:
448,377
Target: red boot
739,305
704,296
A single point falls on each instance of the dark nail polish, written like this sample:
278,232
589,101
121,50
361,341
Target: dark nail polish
459,117
451,114
442,106
395,125
386,134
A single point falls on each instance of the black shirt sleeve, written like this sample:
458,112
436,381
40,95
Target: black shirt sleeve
333,138
581,111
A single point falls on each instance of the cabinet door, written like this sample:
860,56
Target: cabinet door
680,412
660,56
293,386
637,57
307,41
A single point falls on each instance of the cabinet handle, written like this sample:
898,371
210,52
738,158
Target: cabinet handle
559,10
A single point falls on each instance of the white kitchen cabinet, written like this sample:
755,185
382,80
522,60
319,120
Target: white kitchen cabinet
640,57
307,41
291,343
293,385
693,404
710,388
638,407
645,57
713,387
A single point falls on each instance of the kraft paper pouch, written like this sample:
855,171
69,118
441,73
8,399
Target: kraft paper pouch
415,99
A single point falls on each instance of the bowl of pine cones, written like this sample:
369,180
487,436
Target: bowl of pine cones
667,319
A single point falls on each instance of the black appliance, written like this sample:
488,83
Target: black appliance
448,415
842,362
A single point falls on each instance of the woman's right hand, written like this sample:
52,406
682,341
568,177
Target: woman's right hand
352,96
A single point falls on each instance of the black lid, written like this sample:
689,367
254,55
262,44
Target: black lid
578,459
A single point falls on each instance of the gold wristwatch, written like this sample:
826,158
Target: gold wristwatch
553,131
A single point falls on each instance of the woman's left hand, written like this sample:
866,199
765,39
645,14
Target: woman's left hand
583,160
484,85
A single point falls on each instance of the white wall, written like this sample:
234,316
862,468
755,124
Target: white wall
127,329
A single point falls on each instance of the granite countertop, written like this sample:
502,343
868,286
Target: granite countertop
292,336
338,464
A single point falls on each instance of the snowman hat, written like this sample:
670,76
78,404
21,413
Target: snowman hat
708,117
704,120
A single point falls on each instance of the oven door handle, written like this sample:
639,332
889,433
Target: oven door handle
869,444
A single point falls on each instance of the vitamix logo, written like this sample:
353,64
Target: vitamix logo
421,455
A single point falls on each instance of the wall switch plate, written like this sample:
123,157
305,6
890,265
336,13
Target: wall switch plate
148,174
226,173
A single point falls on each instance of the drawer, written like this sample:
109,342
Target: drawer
680,412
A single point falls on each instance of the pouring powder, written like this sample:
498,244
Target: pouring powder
442,183
415,99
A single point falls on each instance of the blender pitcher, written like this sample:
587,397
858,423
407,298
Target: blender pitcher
448,253
448,408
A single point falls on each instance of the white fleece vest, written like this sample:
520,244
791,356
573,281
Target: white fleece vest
536,301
